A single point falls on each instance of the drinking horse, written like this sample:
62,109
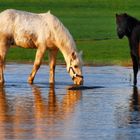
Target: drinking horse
130,27
43,32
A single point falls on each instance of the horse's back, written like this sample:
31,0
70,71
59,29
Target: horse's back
14,12
24,19
7,18
7,12
23,27
30,29
17,18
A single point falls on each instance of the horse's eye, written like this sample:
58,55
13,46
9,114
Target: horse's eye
75,66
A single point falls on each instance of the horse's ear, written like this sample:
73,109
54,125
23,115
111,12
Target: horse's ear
73,55
116,15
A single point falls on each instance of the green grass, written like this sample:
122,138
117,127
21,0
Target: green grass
91,22
98,52
105,52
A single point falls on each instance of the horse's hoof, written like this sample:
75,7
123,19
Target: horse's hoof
52,82
135,83
1,84
30,81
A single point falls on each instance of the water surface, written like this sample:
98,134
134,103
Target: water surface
41,111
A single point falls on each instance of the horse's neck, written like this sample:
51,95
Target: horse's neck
132,22
62,37
67,53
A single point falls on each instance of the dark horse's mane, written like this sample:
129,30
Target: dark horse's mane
132,19
131,23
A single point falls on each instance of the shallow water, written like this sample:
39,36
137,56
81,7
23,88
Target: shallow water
41,111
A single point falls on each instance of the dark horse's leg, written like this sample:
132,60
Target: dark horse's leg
135,68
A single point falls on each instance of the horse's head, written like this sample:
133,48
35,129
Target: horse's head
121,21
74,68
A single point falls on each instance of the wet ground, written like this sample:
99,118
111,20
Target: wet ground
41,111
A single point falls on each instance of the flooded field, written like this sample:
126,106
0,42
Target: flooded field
110,111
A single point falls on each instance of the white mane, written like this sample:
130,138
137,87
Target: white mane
63,38
62,35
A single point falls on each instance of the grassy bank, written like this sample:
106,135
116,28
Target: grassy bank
91,22
103,52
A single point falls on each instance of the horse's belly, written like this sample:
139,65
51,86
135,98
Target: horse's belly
25,41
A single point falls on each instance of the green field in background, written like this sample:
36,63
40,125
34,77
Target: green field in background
91,23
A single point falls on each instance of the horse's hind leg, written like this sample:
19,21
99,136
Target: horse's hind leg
52,59
38,59
1,71
3,51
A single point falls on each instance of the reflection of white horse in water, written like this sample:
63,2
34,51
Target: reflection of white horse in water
43,32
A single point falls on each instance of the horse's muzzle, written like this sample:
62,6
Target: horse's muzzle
78,81
120,35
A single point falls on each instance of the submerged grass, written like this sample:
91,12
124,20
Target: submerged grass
91,23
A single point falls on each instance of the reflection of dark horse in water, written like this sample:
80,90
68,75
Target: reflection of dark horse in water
128,117
135,103
130,27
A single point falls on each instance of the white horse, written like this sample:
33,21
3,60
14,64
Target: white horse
41,31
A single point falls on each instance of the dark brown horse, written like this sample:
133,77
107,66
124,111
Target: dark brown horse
130,27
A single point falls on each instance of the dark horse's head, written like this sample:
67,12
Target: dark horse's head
125,24
121,21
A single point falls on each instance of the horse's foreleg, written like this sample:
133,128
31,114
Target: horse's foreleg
52,61
38,59
135,69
